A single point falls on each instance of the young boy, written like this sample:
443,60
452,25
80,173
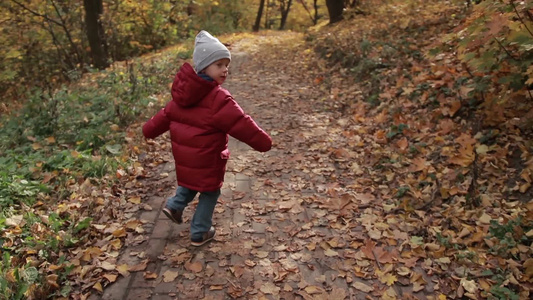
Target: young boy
200,117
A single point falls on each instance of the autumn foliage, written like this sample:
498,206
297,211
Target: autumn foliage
402,135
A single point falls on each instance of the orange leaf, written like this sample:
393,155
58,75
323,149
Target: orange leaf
140,267
418,164
403,143
465,157
456,105
195,267
368,249
465,140
149,275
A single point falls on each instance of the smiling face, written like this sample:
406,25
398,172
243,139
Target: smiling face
218,70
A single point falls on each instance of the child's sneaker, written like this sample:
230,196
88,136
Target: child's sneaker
206,237
174,215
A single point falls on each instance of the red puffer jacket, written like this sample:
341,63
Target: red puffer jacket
200,117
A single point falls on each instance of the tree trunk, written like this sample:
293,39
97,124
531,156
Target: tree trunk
315,19
259,14
284,14
95,33
335,8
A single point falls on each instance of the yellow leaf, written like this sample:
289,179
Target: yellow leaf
388,279
135,200
36,146
98,286
133,224
116,244
331,253
482,149
110,277
119,232
90,253
123,270
50,140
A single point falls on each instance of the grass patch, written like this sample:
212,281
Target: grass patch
53,145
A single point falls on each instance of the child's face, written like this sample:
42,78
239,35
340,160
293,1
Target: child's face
218,70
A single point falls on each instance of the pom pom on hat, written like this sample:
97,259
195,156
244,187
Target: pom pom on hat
207,50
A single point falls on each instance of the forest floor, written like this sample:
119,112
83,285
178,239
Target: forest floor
322,215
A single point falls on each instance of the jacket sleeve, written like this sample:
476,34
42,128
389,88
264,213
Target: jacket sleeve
157,125
230,118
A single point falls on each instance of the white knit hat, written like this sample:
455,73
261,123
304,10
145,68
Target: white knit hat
207,50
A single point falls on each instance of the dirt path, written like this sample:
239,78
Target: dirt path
285,228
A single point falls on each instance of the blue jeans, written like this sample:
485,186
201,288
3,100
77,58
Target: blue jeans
203,216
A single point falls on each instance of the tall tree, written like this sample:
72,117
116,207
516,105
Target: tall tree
259,14
313,16
284,8
95,33
335,8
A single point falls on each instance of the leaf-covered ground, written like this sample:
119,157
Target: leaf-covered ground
348,205
399,194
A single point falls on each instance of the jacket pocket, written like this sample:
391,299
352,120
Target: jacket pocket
225,154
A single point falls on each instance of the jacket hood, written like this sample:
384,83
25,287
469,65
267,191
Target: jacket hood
188,88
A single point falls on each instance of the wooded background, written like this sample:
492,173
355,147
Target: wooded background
427,106
44,43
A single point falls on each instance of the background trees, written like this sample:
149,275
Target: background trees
45,43
335,8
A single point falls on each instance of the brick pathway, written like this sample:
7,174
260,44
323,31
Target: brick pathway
166,239
238,264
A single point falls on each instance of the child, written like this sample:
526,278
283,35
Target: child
200,117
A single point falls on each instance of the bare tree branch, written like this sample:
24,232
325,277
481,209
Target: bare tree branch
520,18
46,17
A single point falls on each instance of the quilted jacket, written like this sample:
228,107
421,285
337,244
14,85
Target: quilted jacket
200,117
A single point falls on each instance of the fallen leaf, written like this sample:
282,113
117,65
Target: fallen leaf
98,286
269,288
469,285
362,287
149,275
330,253
139,267
169,276
107,266
312,289
110,277
195,267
